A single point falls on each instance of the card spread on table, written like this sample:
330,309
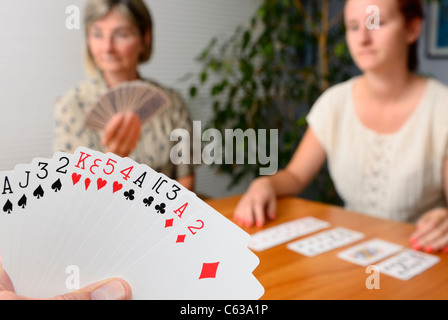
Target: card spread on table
75,219
369,252
407,264
285,232
324,241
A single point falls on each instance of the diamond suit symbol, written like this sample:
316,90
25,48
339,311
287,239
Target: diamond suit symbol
169,223
181,238
209,270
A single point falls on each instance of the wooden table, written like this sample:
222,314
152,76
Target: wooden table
287,275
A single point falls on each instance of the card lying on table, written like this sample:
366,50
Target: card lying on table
407,264
285,232
75,219
325,241
369,252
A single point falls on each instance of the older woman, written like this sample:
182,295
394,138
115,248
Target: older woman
119,38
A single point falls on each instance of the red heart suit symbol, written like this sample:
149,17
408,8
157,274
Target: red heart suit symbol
117,186
75,178
87,183
100,183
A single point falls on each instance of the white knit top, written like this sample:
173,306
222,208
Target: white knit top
393,176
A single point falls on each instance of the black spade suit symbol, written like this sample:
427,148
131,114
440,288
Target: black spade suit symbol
22,202
7,207
39,192
56,186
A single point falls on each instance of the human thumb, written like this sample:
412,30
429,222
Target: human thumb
111,289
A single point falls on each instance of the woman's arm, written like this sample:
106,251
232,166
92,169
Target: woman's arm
306,162
432,228
260,199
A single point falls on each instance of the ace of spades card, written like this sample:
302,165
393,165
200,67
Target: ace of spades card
106,216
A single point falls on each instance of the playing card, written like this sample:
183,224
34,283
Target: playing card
106,220
23,186
207,271
407,264
46,214
101,215
188,245
7,200
369,252
145,221
142,215
325,241
102,189
81,171
129,180
285,232
31,202
186,213
144,99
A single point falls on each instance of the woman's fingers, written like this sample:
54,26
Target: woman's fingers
122,133
131,136
251,212
110,131
432,231
258,203
259,214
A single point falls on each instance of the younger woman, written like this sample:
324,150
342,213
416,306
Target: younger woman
384,133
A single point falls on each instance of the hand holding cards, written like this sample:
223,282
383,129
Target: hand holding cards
76,219
144,99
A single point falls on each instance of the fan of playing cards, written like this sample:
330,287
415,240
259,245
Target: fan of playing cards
143,98
75,219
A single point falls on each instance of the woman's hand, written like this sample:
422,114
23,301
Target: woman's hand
432,231
121,133
257,203
111,289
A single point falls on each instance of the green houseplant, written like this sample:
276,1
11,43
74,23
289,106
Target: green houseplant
267,76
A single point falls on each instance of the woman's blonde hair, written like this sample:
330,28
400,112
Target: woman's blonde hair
135,11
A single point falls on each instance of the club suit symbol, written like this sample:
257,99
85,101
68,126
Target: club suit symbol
129,195
161,208
148,201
